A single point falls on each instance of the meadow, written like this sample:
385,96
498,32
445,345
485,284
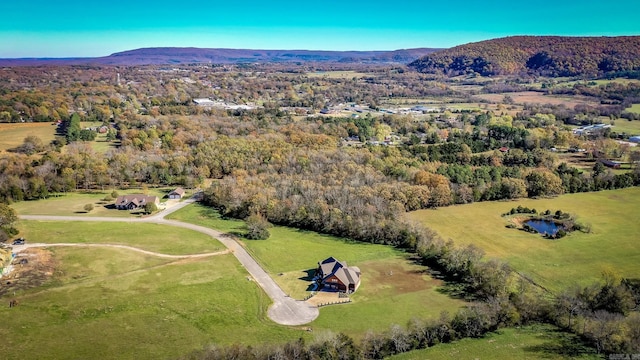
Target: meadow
151,237
531,342
72,203
635,108
117,304
579,258
13,134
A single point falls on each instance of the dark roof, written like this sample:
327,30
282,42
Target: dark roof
136,199
346,275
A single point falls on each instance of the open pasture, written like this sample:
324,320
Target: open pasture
531,342
13,134
151,237
72,203
534,97
556,264
115,304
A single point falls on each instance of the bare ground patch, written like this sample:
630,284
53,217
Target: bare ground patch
30,268
401,277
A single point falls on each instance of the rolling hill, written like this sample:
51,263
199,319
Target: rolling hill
542,55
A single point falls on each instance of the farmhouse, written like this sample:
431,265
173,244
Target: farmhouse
332,274
135,201
177,193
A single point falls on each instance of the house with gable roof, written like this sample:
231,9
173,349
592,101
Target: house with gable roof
332,274
135,201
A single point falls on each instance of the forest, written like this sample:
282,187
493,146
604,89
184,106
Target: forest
541,55
297,154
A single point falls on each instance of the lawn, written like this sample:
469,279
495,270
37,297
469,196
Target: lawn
626,126
113,304
12,135
556,264
152,237
394,289
531,342
635,108
73,203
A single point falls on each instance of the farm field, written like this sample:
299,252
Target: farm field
150,237
12,135
556,264
393,289
635,108
72,203
534,97
626,126
532,342
117,304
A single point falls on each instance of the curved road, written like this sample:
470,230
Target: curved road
285,310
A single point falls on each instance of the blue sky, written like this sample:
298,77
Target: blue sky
66,28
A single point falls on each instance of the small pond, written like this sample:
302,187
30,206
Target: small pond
544,226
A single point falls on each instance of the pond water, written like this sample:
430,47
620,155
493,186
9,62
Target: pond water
544,226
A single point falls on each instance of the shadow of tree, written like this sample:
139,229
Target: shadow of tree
560,343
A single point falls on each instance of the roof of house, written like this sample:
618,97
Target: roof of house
136,199
177,191
346,275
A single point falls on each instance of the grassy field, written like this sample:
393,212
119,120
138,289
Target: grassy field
12,135
114,304
556,264
72,204
338,74
533,342
151,237
626,126
635,108
393,290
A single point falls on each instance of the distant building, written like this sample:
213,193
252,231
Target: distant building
635,139
204,102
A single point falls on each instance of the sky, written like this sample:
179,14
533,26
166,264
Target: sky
64,28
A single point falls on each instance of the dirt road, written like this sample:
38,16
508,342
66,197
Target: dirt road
284,310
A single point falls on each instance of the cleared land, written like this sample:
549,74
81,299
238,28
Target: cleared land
393,288
12,135
73,204
556,264
117,304
532,342
534,97
152,237
635,108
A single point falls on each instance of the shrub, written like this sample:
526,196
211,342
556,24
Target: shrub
88,207
257,227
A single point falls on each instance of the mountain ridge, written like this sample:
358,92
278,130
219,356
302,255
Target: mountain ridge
540,55
194,55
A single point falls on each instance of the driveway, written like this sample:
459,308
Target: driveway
284,310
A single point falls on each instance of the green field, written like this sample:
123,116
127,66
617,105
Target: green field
626,126
556,264
532,342
73,203
393,288
116,304
152,237
635,108
12,135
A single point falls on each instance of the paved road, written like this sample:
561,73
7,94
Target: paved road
284,310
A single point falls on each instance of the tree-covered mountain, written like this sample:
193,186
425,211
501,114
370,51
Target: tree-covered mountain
543,55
